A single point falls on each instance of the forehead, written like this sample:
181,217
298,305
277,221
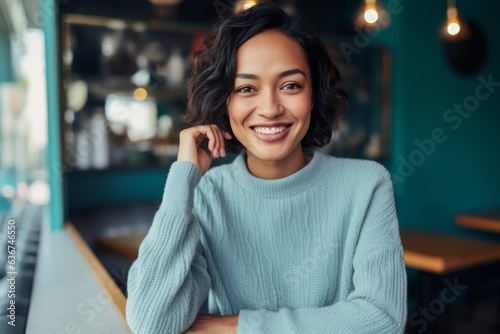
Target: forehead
270,50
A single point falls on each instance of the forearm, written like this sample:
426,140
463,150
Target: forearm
168,282
358,317
377,305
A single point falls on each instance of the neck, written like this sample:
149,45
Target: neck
276,169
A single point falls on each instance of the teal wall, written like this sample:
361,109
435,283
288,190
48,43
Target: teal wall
463,173
6,75
5,58
49,19
93,189
90,189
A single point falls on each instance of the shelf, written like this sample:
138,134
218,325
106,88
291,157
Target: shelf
124,168
121,169
488,221
100,88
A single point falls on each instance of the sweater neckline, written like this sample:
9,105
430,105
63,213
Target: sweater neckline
298,182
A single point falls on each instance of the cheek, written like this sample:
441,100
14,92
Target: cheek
235,120
238,111
306,116
307,123
302,110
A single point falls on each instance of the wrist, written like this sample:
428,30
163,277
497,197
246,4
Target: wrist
232,322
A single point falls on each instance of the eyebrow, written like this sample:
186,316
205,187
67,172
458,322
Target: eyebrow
281,75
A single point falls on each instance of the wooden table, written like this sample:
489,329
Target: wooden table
436,255
485,221
126,245
440,254
431,252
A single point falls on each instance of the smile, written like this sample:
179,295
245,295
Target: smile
270,130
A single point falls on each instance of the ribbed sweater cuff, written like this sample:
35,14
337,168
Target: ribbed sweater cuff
182,179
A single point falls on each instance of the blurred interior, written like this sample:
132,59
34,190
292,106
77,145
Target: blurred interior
92,94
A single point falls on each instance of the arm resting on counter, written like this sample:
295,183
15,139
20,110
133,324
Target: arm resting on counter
169,281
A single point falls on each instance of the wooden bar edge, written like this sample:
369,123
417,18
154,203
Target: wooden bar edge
424,262
107,283
478,222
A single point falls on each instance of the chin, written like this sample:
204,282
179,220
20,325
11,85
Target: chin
270,154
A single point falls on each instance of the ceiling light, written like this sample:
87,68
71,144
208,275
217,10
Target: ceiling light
452,22
371,11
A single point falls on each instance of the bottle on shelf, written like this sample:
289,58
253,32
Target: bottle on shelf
100,140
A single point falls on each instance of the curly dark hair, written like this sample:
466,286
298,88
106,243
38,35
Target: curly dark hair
212,79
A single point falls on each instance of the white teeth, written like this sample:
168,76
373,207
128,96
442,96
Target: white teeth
270,131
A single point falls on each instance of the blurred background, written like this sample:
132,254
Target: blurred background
92,93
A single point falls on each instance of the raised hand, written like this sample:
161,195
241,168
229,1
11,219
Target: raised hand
189,146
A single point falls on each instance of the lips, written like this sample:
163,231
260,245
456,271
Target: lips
272,132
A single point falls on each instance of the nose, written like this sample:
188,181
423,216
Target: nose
269,104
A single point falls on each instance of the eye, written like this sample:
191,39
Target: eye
245,89
291,86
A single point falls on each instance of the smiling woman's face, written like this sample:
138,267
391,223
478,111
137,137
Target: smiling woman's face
270,106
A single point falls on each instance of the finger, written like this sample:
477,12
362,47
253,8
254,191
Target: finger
227,136
222,150
212,142
200,133
220,141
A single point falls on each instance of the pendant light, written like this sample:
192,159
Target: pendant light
452,22
370,11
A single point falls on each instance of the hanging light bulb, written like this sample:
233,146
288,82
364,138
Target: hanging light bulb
249,4
242,5
371,12
452,26
372,16
452,22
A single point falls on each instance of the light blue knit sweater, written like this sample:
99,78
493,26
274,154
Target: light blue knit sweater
315,252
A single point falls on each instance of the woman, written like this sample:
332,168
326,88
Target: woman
285,239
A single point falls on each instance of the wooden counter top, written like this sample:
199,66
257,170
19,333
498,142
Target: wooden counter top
126,245
432,252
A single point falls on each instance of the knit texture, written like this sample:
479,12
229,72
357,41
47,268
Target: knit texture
316,252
